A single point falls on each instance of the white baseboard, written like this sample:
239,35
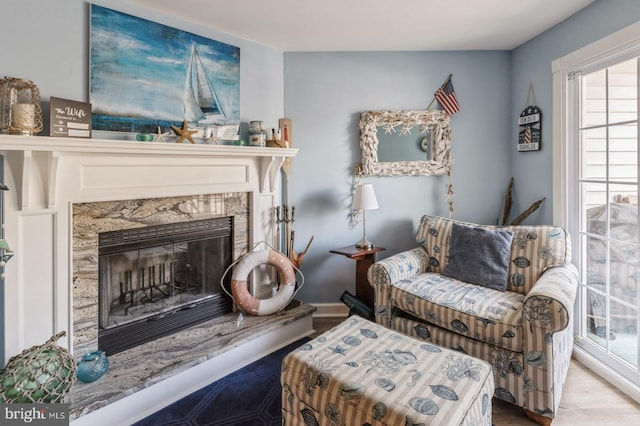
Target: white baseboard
330,310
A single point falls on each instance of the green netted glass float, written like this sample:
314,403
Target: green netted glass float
41,373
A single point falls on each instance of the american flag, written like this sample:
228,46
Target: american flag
447,98
527,135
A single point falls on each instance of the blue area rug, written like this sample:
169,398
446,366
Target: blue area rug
247,397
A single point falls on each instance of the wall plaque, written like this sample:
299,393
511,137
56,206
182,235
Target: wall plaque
70,118
530,129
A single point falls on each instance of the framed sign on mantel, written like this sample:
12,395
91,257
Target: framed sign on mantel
69,118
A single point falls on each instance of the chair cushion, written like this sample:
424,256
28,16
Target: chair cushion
479,256
474,311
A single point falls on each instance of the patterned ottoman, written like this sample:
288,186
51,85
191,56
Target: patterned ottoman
361,373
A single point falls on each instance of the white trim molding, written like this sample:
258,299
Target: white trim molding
617,47
625,42
47,176
615,379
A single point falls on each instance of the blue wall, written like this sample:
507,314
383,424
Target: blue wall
531,63
325,93
324,96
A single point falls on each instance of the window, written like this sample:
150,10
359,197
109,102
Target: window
607,155
596,164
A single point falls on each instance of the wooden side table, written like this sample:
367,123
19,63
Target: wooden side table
364,259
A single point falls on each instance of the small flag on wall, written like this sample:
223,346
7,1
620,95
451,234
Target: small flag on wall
446,97
527,135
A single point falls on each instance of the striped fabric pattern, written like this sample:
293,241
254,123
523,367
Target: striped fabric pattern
393,269
362,373
467,309
534,249
525,332
507,365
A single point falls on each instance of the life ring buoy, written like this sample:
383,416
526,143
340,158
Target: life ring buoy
239,289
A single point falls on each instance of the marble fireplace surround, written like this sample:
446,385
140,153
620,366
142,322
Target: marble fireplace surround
90,219
47,177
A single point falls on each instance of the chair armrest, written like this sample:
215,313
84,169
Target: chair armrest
397,267
549,304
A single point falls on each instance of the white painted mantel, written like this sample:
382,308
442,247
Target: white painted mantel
46,176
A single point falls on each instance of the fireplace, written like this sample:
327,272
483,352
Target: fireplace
160,245
157,280
66,191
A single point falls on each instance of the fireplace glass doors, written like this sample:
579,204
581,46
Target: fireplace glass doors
156,280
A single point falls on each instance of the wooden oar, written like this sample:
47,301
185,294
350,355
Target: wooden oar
285,125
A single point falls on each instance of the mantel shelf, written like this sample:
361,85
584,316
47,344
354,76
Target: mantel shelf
270,160
112,146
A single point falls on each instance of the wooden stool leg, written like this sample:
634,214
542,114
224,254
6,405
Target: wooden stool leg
541,420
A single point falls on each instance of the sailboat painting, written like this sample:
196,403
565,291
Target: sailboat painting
201,100
144,75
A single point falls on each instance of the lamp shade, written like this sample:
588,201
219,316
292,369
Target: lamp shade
365,198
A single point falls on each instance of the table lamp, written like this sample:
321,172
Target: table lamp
364,199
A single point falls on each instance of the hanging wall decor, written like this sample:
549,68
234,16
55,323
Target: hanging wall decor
145,74
530,125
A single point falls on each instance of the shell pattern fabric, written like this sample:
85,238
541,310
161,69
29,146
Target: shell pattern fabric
362,373
478,312
525,332
534,249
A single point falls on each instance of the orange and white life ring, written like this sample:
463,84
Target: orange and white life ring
239,289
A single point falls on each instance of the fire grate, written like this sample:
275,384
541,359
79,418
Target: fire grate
156,280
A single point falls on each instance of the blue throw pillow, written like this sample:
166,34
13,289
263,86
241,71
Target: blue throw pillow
479,256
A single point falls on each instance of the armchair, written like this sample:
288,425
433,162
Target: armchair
523,327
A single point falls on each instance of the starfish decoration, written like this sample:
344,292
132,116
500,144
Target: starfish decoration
184,133
160,135
406,130
338,350
390,128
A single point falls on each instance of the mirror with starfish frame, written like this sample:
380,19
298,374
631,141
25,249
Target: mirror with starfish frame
434,124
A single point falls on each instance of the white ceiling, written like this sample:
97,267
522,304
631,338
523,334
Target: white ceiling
375,25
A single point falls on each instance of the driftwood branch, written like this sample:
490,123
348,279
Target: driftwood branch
508,202
296,258
518,220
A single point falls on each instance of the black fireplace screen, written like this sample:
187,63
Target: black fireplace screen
157,280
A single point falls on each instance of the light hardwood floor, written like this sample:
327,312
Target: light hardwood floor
587,399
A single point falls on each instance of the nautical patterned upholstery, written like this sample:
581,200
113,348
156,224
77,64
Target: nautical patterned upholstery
524,332
467,309
362,373
534,249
